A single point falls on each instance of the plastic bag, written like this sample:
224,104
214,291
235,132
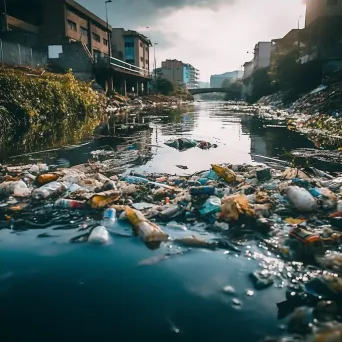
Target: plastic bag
301,199
235,205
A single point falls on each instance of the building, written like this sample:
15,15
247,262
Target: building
247,69
216,81
54,22
262,55
179,73
316,9
131,47
322,34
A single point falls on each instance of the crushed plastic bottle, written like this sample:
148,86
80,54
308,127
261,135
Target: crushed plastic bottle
48,190
202,190
211,206
18,188
228,175
70,204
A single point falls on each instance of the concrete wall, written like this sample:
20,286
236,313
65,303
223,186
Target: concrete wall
172,70
74,57
321,8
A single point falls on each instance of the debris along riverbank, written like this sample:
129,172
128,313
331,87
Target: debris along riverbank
317,114
294,214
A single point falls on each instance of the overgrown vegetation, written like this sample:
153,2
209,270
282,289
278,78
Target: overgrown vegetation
38,98
44,104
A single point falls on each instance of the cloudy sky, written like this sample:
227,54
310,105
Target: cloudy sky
213,35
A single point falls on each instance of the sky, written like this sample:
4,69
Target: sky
213,35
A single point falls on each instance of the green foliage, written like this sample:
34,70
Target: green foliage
164,86
227,82
49,97
262,85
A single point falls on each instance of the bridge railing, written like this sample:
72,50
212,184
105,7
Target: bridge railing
124,66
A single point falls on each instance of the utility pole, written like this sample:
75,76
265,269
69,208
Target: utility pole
108,33
299,36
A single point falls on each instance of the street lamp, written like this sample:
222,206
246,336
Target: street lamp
108,34
155,66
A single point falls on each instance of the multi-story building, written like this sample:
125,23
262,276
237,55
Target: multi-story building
216,81
322,34
262,55
247,69
316,9
54,22
179,73
131,47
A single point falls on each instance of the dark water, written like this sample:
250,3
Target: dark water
54,290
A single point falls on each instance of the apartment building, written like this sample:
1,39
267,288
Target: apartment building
55,22
316,9
262,55
131,47
179,73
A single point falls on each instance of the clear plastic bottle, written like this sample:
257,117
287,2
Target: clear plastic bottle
99,235
109,218
48,190
18,188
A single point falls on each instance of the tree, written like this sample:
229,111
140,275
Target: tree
164,86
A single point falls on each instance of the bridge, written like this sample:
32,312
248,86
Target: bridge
196,91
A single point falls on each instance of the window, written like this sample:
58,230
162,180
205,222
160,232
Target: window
72,26
142,59
84,31
105,41
332,2
146,48
146,61
96,37
141,45
129,44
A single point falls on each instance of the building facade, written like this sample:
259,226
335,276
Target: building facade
55,22
131,47
262,55
316,9
216,81
179,73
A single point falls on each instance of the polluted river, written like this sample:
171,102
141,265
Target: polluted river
240,252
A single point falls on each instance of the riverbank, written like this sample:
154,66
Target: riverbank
317,114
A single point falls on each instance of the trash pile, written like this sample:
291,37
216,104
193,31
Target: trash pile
118,102
295,214
184,144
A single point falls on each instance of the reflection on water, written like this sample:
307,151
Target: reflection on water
54,290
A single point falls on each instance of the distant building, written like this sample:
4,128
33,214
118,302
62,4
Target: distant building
131,47
217,80
262,55
247,69
40,23
179,73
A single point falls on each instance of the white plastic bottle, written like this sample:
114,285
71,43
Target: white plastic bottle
109,218
18,188
48,190
301,199
99,235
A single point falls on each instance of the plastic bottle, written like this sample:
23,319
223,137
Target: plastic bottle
339,205
228,175
48,190
98,235
70,204
212,205
301,199
202,190
47,178
18,188
109,218
135,180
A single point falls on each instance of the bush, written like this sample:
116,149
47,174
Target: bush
34,99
